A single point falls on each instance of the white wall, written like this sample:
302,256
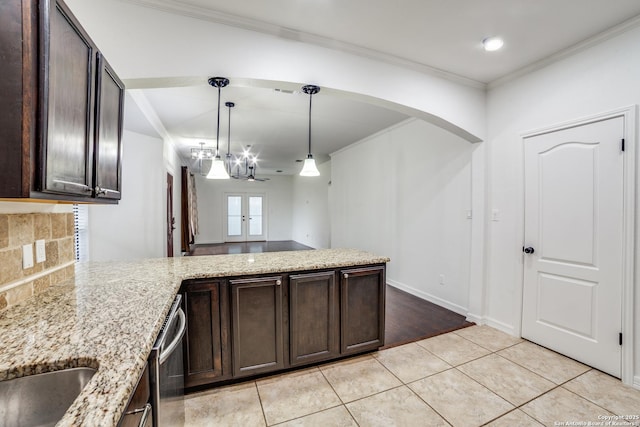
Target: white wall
311,223
211,206
405,193
598,79
134,228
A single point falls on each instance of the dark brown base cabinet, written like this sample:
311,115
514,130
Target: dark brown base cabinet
362,309
206,346
256,321
138,406
243,326
314,304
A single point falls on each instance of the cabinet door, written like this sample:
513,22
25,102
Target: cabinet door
206,344
313,317
138,406
362,309
256,319
108,136
67,101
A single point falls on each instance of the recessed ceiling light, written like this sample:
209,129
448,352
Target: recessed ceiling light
492,43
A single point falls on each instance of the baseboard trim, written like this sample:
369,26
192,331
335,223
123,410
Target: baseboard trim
478,320
501,326
636,382
427,296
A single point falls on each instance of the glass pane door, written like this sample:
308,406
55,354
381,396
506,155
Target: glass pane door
246,217
234,216
255,216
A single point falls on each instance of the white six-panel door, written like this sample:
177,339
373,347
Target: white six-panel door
574,225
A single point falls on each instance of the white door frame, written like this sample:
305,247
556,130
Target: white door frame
629,256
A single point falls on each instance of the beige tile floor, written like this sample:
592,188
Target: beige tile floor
471,377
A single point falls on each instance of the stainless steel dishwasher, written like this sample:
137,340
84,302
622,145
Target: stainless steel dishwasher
166,370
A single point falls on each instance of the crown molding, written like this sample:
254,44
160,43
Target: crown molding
181,8
612,32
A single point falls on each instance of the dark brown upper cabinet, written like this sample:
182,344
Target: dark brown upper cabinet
108,143
62,124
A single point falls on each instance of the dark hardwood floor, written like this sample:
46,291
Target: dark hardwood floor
247,247
407,317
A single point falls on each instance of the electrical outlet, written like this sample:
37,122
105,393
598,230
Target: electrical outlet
27,256
442,279
495,215
41,254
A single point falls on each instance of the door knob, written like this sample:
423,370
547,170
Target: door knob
528,250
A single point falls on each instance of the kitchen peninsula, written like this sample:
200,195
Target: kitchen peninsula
109,315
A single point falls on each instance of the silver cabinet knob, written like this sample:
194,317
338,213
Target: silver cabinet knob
345,275
278,282
100,191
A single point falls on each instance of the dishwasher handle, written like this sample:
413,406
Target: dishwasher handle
166,352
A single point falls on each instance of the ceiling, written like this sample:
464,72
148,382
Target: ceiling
274,123
432,35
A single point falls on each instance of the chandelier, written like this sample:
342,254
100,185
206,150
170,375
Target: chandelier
201,154
242,166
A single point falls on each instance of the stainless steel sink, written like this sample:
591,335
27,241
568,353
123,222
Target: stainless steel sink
41,399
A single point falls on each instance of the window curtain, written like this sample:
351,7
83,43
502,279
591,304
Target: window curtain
189,208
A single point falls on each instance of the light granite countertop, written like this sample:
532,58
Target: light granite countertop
108,316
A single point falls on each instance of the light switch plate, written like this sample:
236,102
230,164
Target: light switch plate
27,256
41,254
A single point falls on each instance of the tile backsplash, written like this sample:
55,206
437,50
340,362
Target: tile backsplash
16,230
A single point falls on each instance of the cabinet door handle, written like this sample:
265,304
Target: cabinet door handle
345,275
100,191
278,282
73,184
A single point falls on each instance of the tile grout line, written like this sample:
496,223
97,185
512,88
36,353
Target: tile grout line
427,403
277,377
339,397
264,416
584,397
491,352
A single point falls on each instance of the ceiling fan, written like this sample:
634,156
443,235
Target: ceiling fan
249,173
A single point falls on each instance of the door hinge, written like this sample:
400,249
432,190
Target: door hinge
620,338
622,144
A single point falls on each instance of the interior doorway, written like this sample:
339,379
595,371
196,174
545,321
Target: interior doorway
171,220
246,217
575,242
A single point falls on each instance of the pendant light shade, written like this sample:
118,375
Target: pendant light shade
309,168
218,169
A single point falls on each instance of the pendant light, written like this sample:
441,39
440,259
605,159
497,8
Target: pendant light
309,168
218,169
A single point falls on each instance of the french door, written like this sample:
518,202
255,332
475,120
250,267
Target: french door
246,217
